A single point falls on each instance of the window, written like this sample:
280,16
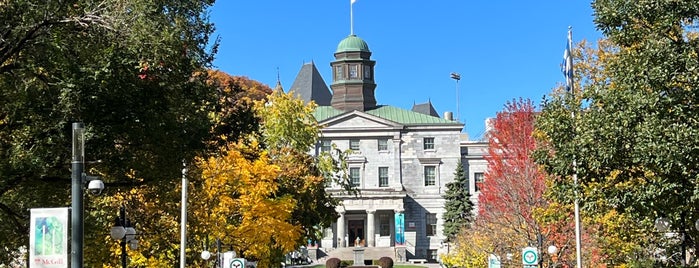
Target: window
354,71
354,145
354,177
339,72
429,143
430,175
384,225
367,72
479,177
325,145
383,176
430,224
383,144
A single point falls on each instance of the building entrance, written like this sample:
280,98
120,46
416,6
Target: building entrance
356,230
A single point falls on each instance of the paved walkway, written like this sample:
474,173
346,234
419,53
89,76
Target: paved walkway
428,265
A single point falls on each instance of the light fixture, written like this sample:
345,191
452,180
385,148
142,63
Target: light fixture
206,255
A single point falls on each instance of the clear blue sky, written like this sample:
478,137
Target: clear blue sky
503,49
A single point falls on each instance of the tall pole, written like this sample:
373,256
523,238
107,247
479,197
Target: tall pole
122,219
183,224
351,17
578,239
569,75
456,77
76,215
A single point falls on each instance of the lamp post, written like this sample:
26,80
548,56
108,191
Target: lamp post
206,254
456,77
124,231
552,250
663,224
78,179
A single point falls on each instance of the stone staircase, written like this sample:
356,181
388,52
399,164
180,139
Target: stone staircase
370,253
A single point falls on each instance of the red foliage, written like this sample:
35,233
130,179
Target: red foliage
513,185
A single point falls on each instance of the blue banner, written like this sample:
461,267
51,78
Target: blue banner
400,228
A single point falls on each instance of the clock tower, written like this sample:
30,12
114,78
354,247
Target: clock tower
353,76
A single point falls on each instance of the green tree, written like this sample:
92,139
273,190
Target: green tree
634,139
133,71
458,206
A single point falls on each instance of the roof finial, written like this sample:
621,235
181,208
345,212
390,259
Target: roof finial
279,82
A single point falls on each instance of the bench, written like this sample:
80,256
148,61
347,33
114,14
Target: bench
414,261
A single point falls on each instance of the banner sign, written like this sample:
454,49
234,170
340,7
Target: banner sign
400,228
48,238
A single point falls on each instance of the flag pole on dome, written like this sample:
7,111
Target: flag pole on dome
568,73
351,17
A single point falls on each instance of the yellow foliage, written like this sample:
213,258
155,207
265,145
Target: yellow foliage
242,202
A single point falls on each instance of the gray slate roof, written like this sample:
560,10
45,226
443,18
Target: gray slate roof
309,85
425,108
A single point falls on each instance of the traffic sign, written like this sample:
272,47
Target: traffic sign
530,256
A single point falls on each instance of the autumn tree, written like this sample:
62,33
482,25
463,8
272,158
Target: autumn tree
265,218
513,187
458,206
632,135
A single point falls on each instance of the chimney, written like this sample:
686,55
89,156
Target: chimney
449,116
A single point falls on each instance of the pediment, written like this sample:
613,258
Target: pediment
357,120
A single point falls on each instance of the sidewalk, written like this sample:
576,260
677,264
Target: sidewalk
428,265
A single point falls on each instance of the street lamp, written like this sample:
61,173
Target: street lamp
663,224
552,250
78,178
124,231
206,254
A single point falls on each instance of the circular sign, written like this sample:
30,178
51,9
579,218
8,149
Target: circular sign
237,263
529,255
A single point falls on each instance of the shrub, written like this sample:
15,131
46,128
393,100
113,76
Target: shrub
386,262
332,263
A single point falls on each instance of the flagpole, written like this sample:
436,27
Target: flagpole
570,86
351,18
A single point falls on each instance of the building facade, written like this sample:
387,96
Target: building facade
400,160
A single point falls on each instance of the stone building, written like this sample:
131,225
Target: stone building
401,160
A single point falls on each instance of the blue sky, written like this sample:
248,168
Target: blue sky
503,50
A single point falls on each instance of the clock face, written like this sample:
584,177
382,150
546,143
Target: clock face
367,72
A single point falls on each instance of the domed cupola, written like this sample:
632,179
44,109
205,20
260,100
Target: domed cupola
353,76
352,43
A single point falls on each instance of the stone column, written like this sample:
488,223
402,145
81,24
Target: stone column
341,230
370,228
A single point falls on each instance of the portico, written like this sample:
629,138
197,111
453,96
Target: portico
367,222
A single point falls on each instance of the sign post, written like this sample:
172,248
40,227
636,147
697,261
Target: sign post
530,257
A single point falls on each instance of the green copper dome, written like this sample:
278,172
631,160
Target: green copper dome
352,43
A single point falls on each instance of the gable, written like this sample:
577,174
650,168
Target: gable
357,120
